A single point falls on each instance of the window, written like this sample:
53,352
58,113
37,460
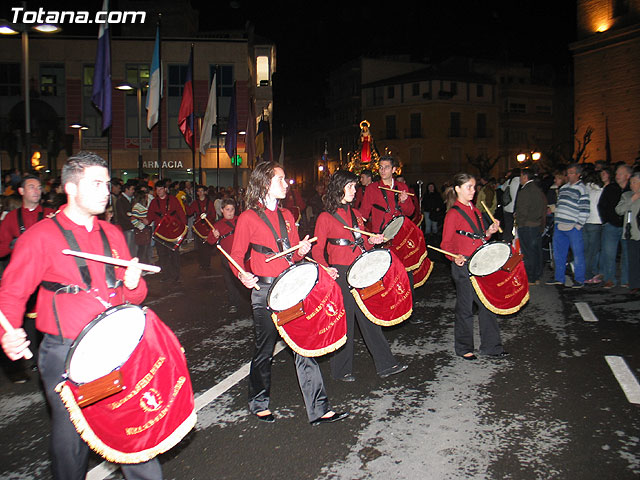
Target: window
481,125
391,92
52,80
177,77
479,90
136,75
378,96
544,109
390,124
90,116
415,122
454,124
415,89
453,88
10,80
262,71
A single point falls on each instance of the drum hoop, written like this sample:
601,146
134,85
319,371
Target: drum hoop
177,239
85,330
483,247
368,253
207,228
283,273
394,219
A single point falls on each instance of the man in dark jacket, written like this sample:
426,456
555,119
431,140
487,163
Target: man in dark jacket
530,210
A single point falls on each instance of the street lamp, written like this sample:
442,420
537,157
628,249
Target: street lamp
127,87
80,127
10,28
529,157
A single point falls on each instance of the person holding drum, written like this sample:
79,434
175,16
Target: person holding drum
463,233
343,247
200,206
265,229
85,179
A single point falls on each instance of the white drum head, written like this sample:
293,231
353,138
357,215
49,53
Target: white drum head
107,344
368,268
392,228
292,286
489,258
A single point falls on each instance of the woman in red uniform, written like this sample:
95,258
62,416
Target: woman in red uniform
265,229
463,233
343,247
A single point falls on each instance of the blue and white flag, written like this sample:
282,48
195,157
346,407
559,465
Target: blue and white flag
101,93
154,94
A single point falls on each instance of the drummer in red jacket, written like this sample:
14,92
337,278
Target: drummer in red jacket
343,247
382,205
264,228
463,233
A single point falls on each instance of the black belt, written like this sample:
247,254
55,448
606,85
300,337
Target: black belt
266,280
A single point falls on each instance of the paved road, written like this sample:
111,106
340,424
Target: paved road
552,409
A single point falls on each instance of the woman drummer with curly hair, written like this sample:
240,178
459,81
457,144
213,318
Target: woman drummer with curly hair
463,233
342,248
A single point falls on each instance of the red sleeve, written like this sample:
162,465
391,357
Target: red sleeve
367,202
8,231
176,206
448,233
154,213
322,228
407,207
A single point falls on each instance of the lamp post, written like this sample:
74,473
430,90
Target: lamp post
526,159
80,127
9,28
127,87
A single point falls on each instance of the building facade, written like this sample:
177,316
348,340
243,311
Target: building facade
606,59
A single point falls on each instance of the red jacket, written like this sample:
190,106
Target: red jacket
158,209
380,210
38,257
198,207
10,230
327,226
252,229
224,228
454,242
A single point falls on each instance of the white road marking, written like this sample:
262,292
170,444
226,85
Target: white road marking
625,377
585,312
103,470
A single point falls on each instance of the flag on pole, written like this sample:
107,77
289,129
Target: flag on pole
210,118
101,92
262,140
154,94
185,115
232,127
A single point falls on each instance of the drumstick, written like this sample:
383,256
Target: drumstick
364,232
489,213
113,261
204,217
444,251
235,264
317,263
396,191
4,323
289,250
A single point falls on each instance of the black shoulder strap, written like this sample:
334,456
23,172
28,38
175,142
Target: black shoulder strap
282,240
478,228
358,240
21,227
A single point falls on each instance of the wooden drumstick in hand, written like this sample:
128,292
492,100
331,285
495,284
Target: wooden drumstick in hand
454,255
396,191
364,232
204,217
489,213
112,261
4,323
235,264
289,250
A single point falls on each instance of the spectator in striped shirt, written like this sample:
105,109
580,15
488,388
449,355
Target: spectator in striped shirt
572,212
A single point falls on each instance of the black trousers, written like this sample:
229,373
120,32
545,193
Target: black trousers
342,360
204,251
634,263
531,243
169,261
232,283
466,296
307,369
69,453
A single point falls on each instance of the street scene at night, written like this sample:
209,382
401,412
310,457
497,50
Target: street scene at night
319,241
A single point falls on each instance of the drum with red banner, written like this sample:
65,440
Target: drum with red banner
170,232
407,242
381,287
128,390
422,273
308,310
506,290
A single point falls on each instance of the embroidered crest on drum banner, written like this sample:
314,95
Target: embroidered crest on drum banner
160,416
151,400
331,309
330,326
140,385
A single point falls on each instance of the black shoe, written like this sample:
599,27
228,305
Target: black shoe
266,418
336,417
347,377
468,357
499,355
397,368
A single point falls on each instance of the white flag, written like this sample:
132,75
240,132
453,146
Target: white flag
155,89
210,118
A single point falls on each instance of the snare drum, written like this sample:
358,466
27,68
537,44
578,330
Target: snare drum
381,287
202,228
308,310
170,232
407,241
392,228
489,258
127,386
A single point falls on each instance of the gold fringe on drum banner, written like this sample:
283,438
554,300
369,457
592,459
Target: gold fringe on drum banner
302,351
111,454
417,265
424,280
373,318
493,308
